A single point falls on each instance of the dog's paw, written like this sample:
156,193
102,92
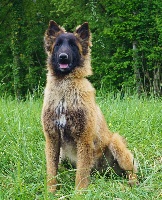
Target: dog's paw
52,188
133,180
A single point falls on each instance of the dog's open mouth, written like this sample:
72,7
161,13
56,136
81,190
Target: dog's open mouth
63,66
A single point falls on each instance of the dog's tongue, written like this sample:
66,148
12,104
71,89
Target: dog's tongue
63,66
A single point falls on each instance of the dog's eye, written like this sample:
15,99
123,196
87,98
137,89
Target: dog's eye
72,44
57,44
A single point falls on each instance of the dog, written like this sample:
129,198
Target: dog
73,124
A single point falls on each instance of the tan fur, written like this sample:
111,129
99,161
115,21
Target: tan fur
89,143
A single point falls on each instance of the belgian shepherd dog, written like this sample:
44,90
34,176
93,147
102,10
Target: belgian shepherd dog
73,124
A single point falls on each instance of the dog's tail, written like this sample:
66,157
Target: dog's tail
120,152
124,157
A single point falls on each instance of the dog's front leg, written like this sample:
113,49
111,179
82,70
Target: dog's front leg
52,147
52,151
84,163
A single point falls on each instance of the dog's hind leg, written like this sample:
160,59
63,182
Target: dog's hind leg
123,156
84,163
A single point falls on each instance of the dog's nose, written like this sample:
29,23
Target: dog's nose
63,56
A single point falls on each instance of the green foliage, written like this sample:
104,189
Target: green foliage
24,68
127,42
22,160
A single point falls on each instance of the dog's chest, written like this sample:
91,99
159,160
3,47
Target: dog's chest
70,118
60,115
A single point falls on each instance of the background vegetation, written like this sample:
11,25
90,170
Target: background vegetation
22,157
127,42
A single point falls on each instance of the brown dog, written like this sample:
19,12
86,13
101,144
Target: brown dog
73,124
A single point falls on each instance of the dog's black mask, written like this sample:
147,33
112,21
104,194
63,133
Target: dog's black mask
66,55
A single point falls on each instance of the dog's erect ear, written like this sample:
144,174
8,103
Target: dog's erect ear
83,31
50,35
53,28
84,36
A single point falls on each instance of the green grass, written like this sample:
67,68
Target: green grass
22,158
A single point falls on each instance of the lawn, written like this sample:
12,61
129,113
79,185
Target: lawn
22,160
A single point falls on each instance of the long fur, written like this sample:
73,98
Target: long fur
73,124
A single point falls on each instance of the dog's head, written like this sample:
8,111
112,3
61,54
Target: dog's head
68,52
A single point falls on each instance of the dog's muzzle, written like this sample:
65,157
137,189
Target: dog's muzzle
63,61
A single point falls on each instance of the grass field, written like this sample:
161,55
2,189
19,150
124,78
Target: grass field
22,158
